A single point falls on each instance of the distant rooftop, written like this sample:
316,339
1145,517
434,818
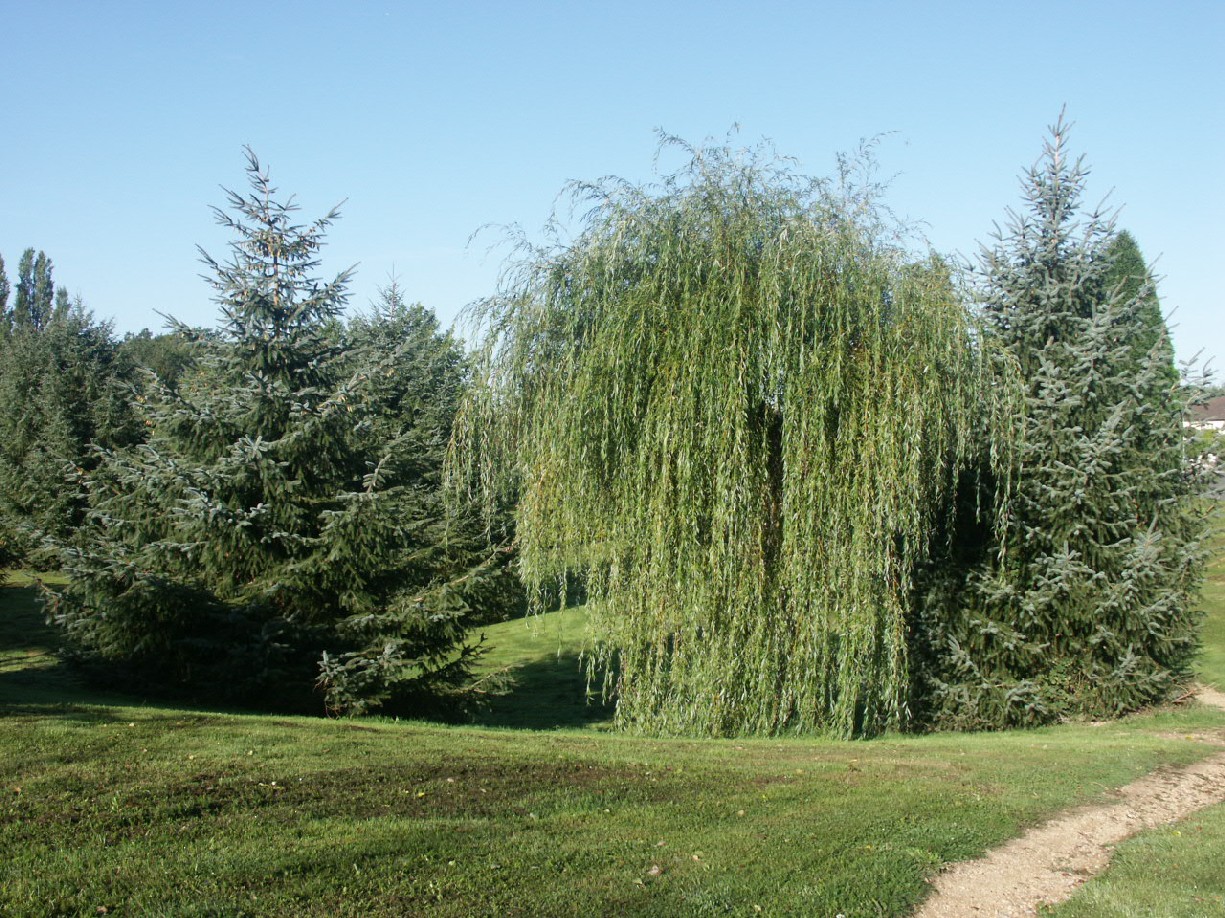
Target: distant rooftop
1211,410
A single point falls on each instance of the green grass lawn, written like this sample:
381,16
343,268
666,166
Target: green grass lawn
542,656
150,810
1212,659
1175,872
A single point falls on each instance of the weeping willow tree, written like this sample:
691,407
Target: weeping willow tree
734,407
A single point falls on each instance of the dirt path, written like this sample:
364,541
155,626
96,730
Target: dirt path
1046,864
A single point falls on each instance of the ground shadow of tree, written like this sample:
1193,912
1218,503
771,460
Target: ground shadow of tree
546,694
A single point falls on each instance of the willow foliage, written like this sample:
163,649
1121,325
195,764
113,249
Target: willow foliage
734,406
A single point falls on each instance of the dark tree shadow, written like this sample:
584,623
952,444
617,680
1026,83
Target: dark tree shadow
33,678
546,694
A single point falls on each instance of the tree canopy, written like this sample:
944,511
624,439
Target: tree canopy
734,407
62,391
1129,278
1083,600
807,477
281,523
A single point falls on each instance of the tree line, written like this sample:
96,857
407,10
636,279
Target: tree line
59,371
806,479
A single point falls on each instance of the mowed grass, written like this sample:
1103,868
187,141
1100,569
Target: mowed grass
148,810
1212,658
542,656
1174,872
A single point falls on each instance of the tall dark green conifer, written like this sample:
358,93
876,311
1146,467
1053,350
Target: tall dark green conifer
1084,602
61,392
1129,278
274,519
6,318
61,304
33,305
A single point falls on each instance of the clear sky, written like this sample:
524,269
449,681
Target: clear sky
435,118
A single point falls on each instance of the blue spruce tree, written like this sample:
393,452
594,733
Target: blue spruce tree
1082,602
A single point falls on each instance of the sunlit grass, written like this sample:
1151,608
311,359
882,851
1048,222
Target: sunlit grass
542,656
1212,658
155,810
145,809
1174,872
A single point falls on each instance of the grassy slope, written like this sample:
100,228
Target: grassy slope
1175,871
549,689
151,810
1212,660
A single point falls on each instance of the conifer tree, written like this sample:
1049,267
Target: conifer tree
419,375
6,318
62,391
33,304
274,521
62,304
1083,602
1128,278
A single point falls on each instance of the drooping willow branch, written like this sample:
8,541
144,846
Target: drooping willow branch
736,407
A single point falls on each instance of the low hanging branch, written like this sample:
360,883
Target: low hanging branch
735,407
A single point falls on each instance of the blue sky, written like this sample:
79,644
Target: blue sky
434,119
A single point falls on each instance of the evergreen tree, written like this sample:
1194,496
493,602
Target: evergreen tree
428,396
275,521
420,395
6,318
1083,602
412,398
1129,278
62,304
62,391
34,302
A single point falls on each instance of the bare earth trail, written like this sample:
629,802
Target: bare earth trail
1045,865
